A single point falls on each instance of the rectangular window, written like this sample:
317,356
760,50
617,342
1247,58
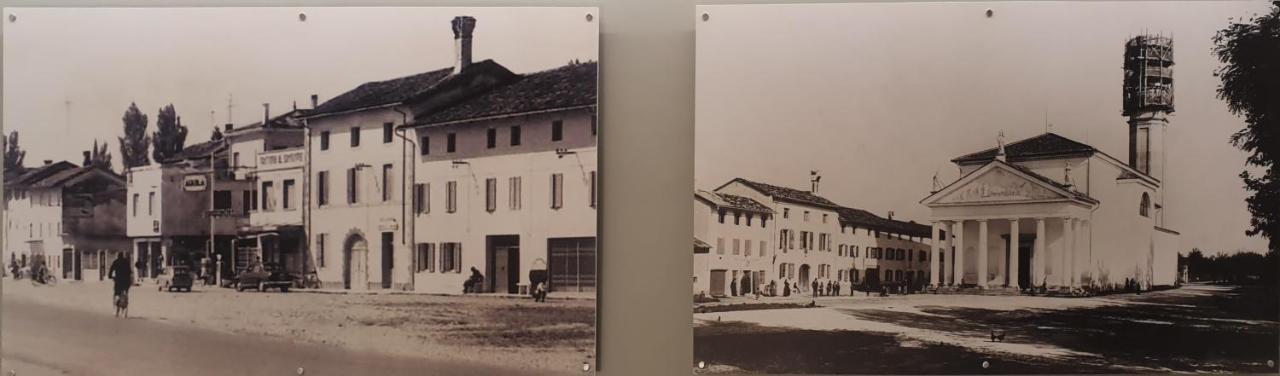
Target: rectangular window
425,147
451,197
254,198
355,136
135,204
490,194
451,143
451,257
418,198
387,170
320,250
324,140
222,200
268,200
557,130
151,203
593,189
763,247
491,138
746,248
352,195
387,133
287,195
322,188
513,184
246,200
719,246
515,135
235,159
804,240
426,257
737,246
557,191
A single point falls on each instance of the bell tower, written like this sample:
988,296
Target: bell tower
1148,100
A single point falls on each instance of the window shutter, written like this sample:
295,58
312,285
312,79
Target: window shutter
457,259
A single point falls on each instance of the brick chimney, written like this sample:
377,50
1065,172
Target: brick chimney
462,28
226,128
266,114
315,101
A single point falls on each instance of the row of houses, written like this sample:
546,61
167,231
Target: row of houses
411,183
750,236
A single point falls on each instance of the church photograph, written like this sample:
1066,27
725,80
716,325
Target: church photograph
991,188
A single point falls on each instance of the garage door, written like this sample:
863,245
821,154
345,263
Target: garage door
572,264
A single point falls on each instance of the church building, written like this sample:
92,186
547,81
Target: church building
1051,212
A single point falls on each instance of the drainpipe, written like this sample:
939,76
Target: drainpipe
411,182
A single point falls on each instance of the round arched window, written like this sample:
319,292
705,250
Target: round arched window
1145,209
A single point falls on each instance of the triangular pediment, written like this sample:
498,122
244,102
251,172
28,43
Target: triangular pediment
997,183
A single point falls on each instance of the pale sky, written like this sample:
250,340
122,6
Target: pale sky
880,97
102,59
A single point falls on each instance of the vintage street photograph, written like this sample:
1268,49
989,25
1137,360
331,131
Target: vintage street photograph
290,191
986,188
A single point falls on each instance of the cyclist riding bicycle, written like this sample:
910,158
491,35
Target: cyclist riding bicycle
122,273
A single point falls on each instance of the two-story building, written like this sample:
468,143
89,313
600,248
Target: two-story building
406,178
882,250
69,217
178,207
736,232
270,156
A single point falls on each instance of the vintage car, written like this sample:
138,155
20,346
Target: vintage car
182,280
271,276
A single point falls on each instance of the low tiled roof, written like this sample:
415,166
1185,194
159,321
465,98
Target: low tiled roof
378,93
789,194
734,202
1043,146
197,151
285,120
866,219
70,176
568,86
35,174
700,246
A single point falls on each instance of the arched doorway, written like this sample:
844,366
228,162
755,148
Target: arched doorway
804,277
355,263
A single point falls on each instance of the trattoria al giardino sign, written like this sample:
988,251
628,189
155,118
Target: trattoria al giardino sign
294,157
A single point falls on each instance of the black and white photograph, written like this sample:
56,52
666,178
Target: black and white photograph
986,188
300,191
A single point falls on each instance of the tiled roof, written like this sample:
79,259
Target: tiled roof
1042,146
70,176
197,151
734,201
700,246
35,174
378,93
789,194
285,120
1047,180
863,218
568,86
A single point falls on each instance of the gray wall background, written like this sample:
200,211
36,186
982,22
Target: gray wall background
646,174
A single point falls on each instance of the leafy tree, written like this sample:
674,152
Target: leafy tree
13,153
99,156
134,144
170,135
1250,53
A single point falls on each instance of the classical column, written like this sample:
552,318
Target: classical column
982,253
1069,228
1013,252
933,254
1038,255
959,257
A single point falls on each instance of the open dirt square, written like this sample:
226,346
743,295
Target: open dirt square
1195,328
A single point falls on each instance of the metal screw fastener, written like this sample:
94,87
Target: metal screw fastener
12,18
590,17
986,364
702,364
1271,363
301,371
302,17
990,12
586,367
706,17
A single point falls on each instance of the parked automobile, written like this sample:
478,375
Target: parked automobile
182,280
271,276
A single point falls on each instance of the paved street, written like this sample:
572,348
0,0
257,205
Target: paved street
1196,328
69,329
40,339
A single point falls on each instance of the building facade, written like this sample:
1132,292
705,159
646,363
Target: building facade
270,156
737,232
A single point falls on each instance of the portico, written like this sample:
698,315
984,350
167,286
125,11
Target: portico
1007,227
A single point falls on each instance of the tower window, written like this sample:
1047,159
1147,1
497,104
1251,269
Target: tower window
1145,208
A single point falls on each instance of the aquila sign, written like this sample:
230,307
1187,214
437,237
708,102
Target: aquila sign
194,183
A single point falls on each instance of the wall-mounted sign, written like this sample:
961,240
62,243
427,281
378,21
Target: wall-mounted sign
272,160
194,183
